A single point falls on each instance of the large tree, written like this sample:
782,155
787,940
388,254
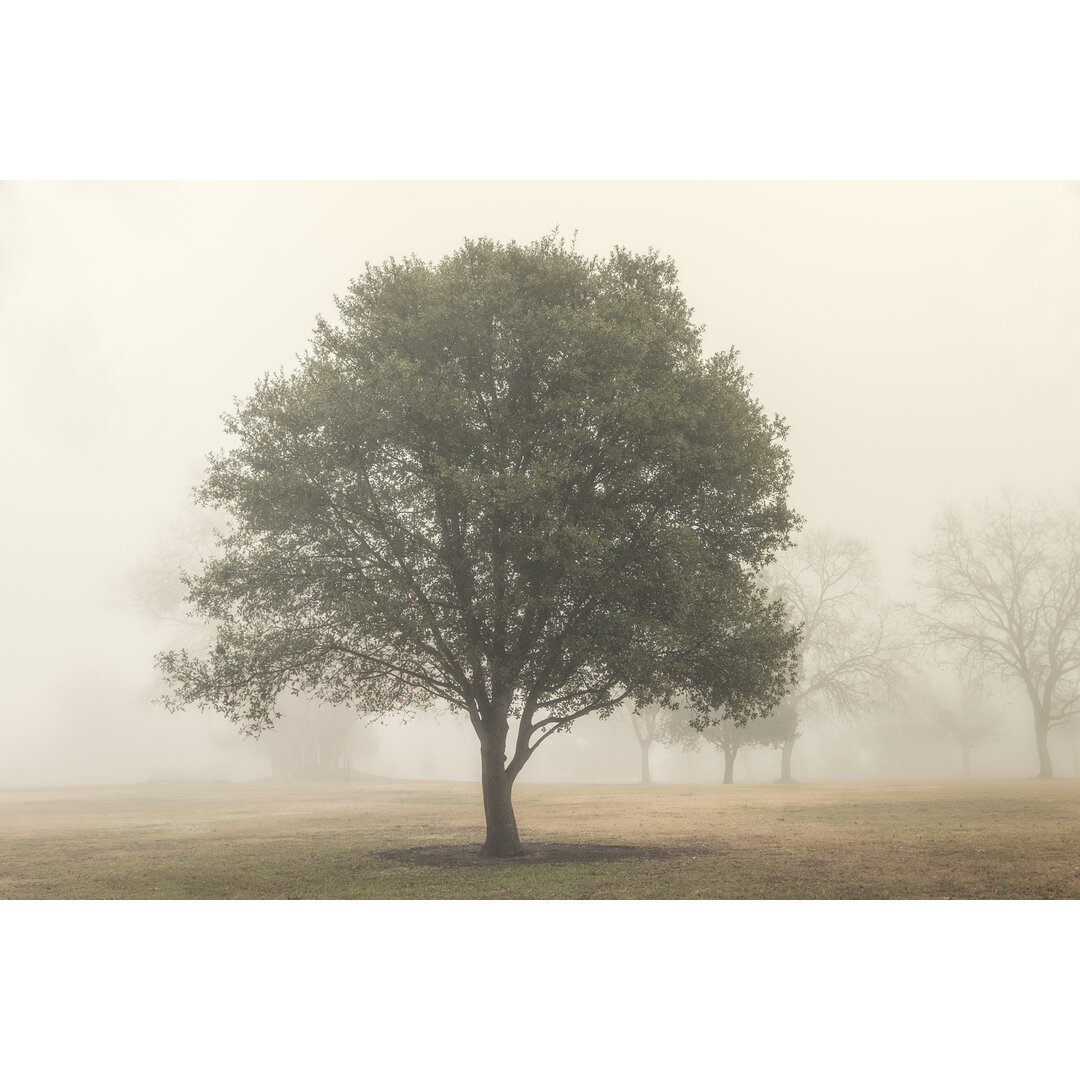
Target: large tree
509,480
1003,585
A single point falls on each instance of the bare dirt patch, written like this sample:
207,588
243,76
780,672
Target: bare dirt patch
537,853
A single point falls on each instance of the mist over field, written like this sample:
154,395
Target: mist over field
921,339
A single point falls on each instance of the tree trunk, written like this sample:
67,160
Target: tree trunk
502,835
785,759
1042,729
646,778
729,765
966,752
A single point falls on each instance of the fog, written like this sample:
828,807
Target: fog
922,340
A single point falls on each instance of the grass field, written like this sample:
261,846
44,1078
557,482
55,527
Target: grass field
420,840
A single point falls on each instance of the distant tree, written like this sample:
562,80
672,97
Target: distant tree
645,722
304,742
510,481
313,743
1003,589
728,732
850,649
155,587
935,704
970,721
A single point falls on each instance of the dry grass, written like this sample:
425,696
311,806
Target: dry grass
415,840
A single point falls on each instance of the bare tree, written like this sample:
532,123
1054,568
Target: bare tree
850,645
1004,589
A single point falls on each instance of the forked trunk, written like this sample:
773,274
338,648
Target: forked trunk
729,765
1042,729
785,760
502,835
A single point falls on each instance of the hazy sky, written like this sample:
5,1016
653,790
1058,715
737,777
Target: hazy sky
923,341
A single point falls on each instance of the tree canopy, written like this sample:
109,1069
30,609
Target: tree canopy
509,480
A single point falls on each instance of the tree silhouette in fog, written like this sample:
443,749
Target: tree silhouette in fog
851,647
1003,585
728,732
